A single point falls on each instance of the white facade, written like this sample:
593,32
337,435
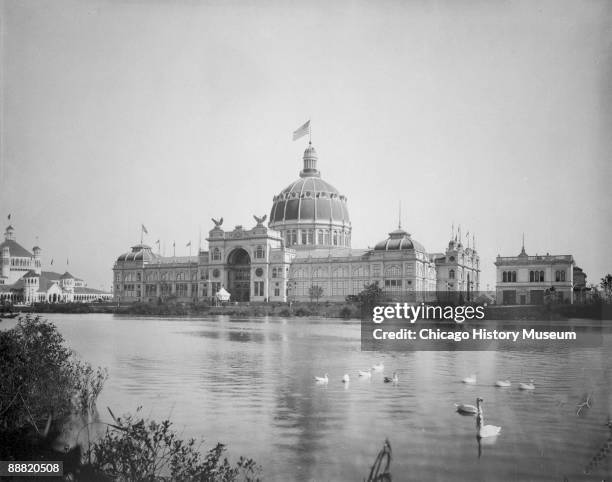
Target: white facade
532,280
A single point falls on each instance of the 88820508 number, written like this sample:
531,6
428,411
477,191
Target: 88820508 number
31,469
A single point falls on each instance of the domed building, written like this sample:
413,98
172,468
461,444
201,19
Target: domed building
310,212
304,252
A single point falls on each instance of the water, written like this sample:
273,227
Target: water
249,384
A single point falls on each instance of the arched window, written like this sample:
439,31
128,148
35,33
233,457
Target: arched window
335,237
562,275
216,254
304,236
326,240
542,276
451,274
294,237
320,236
274,273
310,236
531,277
514,276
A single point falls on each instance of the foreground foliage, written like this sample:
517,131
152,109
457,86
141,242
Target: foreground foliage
136,449
41,380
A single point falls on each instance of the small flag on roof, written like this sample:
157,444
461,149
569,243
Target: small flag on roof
144,229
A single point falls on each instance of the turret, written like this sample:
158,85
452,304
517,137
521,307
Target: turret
5,260
37,261
9,234
31,284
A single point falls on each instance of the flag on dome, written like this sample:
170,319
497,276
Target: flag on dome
144,229
302,131
188,244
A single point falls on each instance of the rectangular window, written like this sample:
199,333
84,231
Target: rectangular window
276,292
181,290
259,288
304,236
310,237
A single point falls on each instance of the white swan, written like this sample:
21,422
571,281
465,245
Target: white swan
527,386
502,383
471,379
379,367
465,408
365,374
484,430
394,379
323,379
346,378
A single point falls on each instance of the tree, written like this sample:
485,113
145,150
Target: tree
606,287
315,292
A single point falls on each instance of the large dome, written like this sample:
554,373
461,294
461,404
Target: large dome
310,199
310,203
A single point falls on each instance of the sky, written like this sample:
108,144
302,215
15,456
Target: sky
495,116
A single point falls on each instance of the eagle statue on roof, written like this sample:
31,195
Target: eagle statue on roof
217,223
260,220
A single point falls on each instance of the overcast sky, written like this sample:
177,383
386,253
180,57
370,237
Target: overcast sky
493,115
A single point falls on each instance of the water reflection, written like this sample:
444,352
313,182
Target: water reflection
250,384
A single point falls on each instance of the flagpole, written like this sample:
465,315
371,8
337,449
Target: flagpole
141,233
310,131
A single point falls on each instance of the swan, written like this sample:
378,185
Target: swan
502,383
346,378
465,408
484,430
527,386
365,374
379,367
471,379
323,379
393,379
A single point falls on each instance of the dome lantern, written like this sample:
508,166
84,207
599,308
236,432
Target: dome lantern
310,162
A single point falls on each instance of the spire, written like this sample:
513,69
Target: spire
473,241
523,253
452,230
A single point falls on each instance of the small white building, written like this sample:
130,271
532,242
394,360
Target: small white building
533,280
22,279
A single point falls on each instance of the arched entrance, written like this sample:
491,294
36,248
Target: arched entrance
239,275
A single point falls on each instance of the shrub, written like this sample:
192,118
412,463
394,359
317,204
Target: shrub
302,311
40,379
136,449
347,312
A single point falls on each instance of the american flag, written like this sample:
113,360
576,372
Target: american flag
302,131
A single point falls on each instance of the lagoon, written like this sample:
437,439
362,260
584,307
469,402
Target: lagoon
249,384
